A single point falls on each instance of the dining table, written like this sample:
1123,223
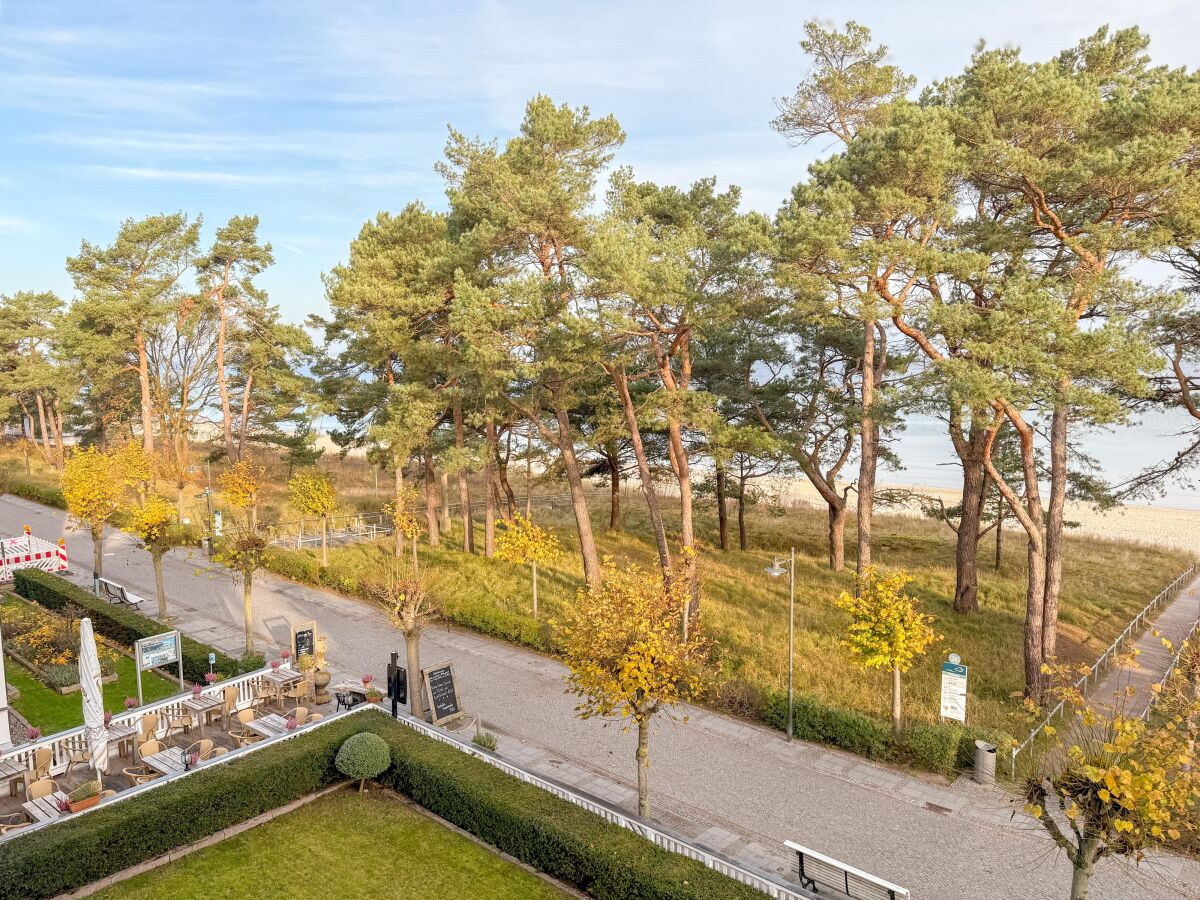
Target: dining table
168,762
202,706
269,726
281,680
122,735
45,809
12,771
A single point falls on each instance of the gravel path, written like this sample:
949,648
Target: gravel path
733,786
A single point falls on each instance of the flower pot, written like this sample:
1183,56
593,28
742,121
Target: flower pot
77,806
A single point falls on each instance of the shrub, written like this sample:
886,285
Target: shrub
363,756
486,740
292,564
123,625
550,834
823,724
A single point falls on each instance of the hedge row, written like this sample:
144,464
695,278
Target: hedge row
38,493
552,835
124,625
945,748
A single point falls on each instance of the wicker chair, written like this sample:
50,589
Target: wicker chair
300,692
220,751
140,774
299,714
244,737
149,748
42,758
12,822
202,748
264,695
43,787
178,725
148,729
79,758
312,717
229,708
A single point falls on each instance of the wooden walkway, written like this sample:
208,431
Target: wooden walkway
1153,659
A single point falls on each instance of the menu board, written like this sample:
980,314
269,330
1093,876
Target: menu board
160,650
304,639
443,696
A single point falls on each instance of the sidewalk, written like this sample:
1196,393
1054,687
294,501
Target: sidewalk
732,786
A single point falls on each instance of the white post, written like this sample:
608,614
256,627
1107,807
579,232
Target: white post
5,736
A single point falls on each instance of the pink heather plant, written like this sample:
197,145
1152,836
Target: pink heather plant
275,664
286,654
33,733
367,679
131,702
210,677
196,690
292,724
107,719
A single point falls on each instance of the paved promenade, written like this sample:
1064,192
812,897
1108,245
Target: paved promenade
733,786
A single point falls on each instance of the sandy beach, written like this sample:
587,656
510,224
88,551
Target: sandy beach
1155,525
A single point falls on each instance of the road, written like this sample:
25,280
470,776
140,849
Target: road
733,786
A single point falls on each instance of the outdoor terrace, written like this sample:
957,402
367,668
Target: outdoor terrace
246,711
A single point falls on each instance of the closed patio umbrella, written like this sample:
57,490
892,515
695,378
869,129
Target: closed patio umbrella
92,691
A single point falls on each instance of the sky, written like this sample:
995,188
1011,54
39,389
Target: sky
316,116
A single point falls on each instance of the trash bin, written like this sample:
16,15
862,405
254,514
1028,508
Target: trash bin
985,762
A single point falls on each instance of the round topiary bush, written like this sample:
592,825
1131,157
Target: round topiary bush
363,756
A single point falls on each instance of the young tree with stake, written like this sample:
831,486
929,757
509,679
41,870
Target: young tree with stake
887,630
625,647
524,543
153,521
412,609
312,493
244,551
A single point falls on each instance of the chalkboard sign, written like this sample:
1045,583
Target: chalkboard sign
443,698
304,639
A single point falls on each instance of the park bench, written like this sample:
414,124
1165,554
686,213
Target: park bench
817,870
116,593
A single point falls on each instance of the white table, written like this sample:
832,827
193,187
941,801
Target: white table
168,762
269,726
10,771
202,708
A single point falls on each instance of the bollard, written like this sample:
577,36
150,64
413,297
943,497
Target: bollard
985,763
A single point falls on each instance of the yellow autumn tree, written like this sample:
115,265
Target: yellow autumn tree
92,486
312,493
243,551
240,484
526,544
153,522
402,509
625,648
887,630
1112,782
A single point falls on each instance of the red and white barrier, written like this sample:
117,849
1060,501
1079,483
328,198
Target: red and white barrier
28,552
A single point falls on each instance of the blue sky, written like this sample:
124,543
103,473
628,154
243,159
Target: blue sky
315,115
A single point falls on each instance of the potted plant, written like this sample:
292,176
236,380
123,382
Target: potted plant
84,796
196,689
108,717
33,733
210,677
131,702
276,663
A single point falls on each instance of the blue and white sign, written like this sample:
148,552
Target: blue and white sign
954,690
160,650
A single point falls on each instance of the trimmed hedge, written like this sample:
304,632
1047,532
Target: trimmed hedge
124,625
552,835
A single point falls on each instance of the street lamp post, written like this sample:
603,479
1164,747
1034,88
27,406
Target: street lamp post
775,570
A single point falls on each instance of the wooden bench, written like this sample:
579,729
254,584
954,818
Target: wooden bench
817,870
116,593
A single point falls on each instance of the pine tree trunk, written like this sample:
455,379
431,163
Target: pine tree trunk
966,553
397,513
1054,530
510,498
614,493
156,559
999,533
464,491
412,652
222,386
431,504
583,522
248,610
621,382
47,447
837,536
868,453
741,514
98,551
147,403
489,515
643,763
722,512
247,390
325,540
897,726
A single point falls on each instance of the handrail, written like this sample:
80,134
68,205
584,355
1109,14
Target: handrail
74,740
656,836
1162,682
1172,590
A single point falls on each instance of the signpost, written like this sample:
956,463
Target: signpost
443,697
155,652
304,640
397,681
954,689
5,736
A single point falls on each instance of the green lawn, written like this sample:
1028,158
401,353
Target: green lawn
51,711
342,845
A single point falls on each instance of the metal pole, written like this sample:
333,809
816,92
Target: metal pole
791,643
